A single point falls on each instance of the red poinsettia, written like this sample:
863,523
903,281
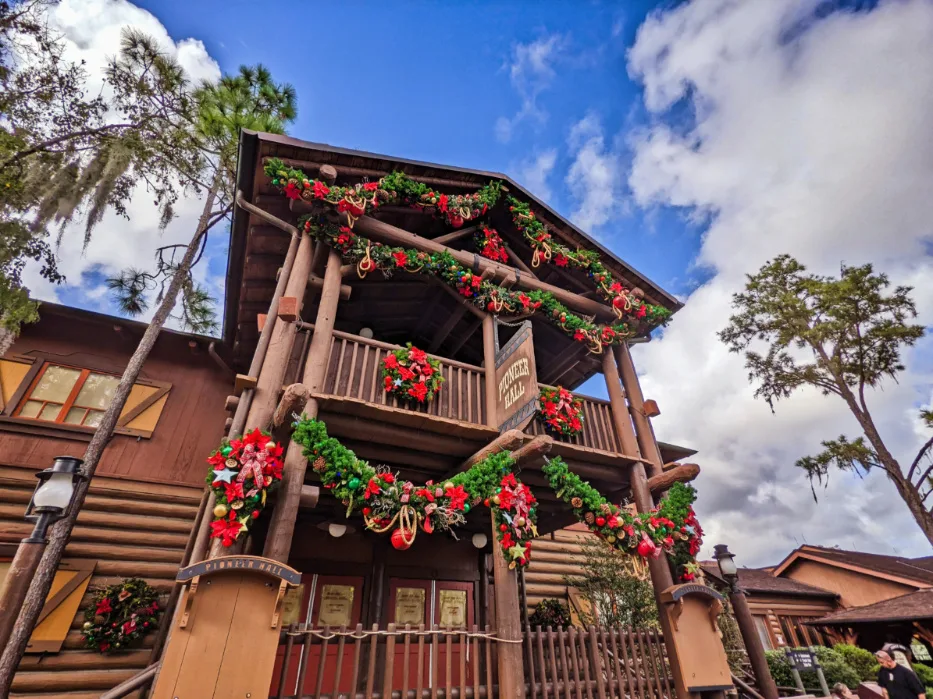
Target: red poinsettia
103,607
561,260
401,259
418,391
372,488
371,186
321,190
458,497
561,412
292,191
226,529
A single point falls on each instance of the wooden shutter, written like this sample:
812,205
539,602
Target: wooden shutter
12,373
61,606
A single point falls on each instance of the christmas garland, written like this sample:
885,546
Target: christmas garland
490,245
389,503
671,527
411,375
560,411
396,188
120,615
242,473
624,302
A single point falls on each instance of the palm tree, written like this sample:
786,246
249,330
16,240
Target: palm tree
247,100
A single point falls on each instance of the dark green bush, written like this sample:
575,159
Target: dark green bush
860,660
835,669
550,612
925,673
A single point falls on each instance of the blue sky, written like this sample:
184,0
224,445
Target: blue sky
697,140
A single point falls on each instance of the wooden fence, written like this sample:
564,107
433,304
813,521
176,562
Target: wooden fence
596,663
354,370
441,663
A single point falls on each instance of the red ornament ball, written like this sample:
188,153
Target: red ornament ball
255,514
503,527
367,511
600,521
645,548
400,540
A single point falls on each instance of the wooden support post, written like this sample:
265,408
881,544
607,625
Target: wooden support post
646,440
282,527
620,417
489,367
508,624
681,473
275,363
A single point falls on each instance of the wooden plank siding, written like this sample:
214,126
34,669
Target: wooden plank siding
130,530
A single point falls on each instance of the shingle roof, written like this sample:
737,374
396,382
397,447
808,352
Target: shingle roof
913,605
761,581
919,569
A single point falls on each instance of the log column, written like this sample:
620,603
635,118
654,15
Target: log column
489,365
646,440
660,570
272,374
508,623
282,528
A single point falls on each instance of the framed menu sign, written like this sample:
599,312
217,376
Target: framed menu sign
409,605
336,605
516,381
453,608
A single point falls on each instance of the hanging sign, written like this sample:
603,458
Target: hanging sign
516,381
409,606
453,608
291,605
803,660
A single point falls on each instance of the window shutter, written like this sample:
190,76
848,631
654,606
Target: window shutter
61,606
12,374
142,410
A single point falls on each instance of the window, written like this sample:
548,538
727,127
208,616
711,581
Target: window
761,626
67,395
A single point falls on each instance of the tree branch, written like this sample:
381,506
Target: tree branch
60,139
913,467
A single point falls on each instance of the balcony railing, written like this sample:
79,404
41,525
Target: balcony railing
354,370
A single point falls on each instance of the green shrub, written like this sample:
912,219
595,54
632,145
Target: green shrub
835,669
550,612
860,660
925,673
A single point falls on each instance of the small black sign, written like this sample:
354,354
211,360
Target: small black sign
803,660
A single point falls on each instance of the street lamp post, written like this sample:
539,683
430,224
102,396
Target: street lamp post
51,501
743,616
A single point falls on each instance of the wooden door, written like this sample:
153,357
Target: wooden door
453,608
328,601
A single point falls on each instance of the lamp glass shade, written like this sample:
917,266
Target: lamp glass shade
366,333
55,492
336,530
479,540
727,566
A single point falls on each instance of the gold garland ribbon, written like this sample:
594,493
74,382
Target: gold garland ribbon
366,265
408,519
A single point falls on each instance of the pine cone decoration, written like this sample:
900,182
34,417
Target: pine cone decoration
606,508
576,502
589,517
319,464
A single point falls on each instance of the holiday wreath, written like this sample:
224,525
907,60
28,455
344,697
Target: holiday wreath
242,473
560,411
396,188
409,373
490,244
390,503
120,615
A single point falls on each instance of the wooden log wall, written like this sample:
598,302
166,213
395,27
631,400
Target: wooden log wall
354,370
556,557
131,529
598,431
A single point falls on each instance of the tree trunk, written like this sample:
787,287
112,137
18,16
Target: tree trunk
61,531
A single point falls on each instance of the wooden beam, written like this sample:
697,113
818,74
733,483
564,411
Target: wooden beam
682,473
460,299
456,235
308,499
563,362
508,624
293,400
489,370
442,332
517,261
243,382
346,171
468,333
507,441
531,455
386,233
317,283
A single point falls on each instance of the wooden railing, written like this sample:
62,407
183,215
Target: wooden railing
354,370
392,663
598,431
596,662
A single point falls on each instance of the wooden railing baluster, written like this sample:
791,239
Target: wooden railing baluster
319,681
420,681
371,673
286,659
341,641
303,667
552,664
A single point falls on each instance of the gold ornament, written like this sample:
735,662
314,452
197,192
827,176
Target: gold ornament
448,485
220,511
237,505
611,538
270,445
519,521
231,463
495,500
87,625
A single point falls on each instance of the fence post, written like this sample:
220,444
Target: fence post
596,663
508,625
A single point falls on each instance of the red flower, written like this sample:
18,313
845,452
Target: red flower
226,529
391,361
406,373
388,382
642,311
418,355
129,626
458,496
509,481
507,542
104,647
476,282
233,491
442,203
419,391
506,500
466,291
103,607
575,424
616,288
427,371
526,302
561,260
401,259
321,190
291,191
371,186
372,488
579,336
387,477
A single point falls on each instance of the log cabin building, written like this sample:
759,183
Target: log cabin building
305,329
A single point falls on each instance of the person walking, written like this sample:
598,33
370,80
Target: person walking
897,681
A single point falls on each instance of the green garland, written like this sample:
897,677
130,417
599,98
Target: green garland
368,256
671,527
385,502
545,248
389,503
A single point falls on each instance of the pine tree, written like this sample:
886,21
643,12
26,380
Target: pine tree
248,100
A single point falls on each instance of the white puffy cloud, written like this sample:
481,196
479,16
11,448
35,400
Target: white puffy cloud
91,33
533,173
808,136
531,70
595,176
